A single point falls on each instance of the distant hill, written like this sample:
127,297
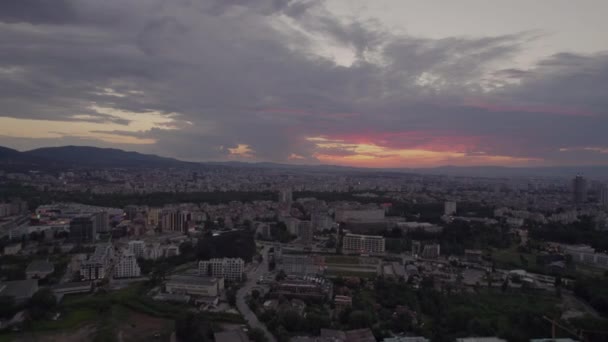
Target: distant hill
86,156
79,156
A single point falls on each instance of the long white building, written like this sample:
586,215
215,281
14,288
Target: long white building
363,244
228,268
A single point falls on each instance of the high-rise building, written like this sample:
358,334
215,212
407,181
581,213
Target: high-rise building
98,263
579,189
174,220
138,248
305,232
604,195
127,266
285,196
363,244
101,221
449,208
228,268
82,229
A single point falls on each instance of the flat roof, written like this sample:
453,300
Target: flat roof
193,279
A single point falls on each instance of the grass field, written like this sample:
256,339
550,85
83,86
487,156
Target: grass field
511,259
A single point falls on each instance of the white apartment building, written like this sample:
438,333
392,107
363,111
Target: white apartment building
127,266
363,244
228,268
98,263
138,248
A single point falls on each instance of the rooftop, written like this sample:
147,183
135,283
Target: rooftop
41,266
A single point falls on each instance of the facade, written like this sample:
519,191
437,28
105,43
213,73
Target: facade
101,220
431,251
82,229
127,266
173,220
305,232
96,267
72,288
367,215
195,285
604,195
363,244
39,269
228,268
299,264
449,208
579,190
138,248
12,249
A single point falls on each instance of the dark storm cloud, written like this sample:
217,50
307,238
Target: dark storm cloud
234,72
37,11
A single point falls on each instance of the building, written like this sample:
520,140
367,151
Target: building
101,220
138,248
39,269
579,189
363,244
72,288
321,221
406,339
303,288
195,285
285,196
82,229
127,266
19,290
153,217
366,215
228,268
96,267
174,220
342,302
12,249
299,264
449,208
431,251
603,198
305,232
472,255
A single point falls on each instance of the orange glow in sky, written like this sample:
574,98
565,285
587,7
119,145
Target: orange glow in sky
341,152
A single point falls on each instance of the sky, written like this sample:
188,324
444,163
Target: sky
383,83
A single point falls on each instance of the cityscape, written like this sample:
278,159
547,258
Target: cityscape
303,171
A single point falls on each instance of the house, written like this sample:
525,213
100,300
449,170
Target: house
39,269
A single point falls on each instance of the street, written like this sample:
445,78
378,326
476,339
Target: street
252,275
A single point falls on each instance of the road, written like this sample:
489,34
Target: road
252,275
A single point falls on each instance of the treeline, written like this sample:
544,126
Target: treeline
581,232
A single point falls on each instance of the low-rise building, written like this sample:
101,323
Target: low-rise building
39,269
363,244
19,290
12,249
195,285
72,288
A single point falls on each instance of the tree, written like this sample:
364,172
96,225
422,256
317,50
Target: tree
231,296
257,335
281,275
255,294
7,307
41,304
193,328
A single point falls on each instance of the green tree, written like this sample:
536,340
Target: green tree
41,304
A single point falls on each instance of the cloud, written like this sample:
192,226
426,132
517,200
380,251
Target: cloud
209,80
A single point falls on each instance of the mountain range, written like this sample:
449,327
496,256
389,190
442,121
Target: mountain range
87,156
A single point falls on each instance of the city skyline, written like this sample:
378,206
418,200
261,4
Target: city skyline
383,84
